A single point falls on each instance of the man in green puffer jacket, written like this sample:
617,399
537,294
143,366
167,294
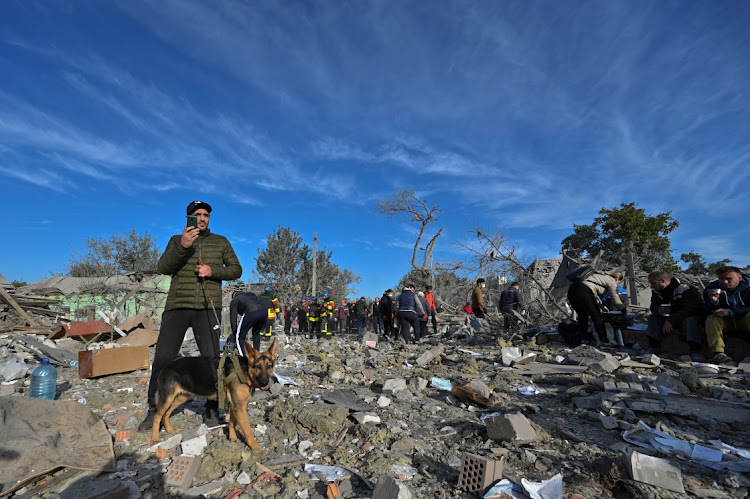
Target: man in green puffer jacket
198,261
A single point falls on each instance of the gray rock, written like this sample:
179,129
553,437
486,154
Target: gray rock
480,388
390,488
512,427
394,385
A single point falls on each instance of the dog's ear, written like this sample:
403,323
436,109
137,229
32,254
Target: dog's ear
272,349
250,351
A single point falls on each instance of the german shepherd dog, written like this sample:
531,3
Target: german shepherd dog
188,376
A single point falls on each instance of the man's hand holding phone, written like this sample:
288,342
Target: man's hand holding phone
191,232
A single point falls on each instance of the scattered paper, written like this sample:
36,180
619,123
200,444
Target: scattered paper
547,489
530,390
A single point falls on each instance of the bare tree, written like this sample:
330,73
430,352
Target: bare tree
409,208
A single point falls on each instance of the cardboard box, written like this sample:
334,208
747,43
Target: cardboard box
93,363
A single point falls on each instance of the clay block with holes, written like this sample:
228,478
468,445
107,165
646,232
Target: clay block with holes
182,471
478,473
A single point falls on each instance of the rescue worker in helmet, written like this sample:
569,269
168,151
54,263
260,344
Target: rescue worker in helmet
328,323
314,313
272,304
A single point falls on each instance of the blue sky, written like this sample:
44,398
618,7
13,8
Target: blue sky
530,116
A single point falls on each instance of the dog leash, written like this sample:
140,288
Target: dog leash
207,294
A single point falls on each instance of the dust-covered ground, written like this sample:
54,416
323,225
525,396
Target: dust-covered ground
383,418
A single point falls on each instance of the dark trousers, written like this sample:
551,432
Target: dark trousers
433,314
315,328
478,312
690,326
174,325
422,330
408,319
361,325
584,302
511,322
287,324
255,321
377,324
387,325
303,324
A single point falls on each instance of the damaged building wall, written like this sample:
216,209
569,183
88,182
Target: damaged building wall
80,298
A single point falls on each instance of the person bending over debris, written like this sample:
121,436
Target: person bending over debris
253,314
477,299
584,298
728,303
511,299
675,306
198,260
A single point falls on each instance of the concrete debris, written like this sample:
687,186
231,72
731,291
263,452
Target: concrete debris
389,488
395,421
512,427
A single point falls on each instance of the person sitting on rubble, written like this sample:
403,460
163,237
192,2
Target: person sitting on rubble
511,299
727,300
467,309
675,306
584,298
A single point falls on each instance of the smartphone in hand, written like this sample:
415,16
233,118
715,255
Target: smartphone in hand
192,221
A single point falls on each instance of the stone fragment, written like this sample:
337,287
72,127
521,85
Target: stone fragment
672,383
394,385
651,359
195,446
608,422
363,418
480,388
513,427
384,401
430,355
390,488
418,383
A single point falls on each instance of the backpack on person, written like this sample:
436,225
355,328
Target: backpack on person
581,273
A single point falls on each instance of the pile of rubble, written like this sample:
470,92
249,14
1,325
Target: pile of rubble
449,417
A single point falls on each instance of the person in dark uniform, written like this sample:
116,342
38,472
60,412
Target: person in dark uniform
252,314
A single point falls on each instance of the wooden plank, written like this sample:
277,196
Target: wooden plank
18,308
94,363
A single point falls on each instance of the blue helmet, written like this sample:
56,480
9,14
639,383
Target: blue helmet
314,298
268,288
304,297
325,294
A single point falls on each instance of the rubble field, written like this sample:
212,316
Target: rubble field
444,418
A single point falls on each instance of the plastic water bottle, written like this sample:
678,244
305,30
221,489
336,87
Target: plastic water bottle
44,381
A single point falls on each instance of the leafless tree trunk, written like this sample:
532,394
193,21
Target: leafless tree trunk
409,208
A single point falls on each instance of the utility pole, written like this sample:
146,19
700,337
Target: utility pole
315,263
631,278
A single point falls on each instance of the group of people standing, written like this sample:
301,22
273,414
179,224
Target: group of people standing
386,316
